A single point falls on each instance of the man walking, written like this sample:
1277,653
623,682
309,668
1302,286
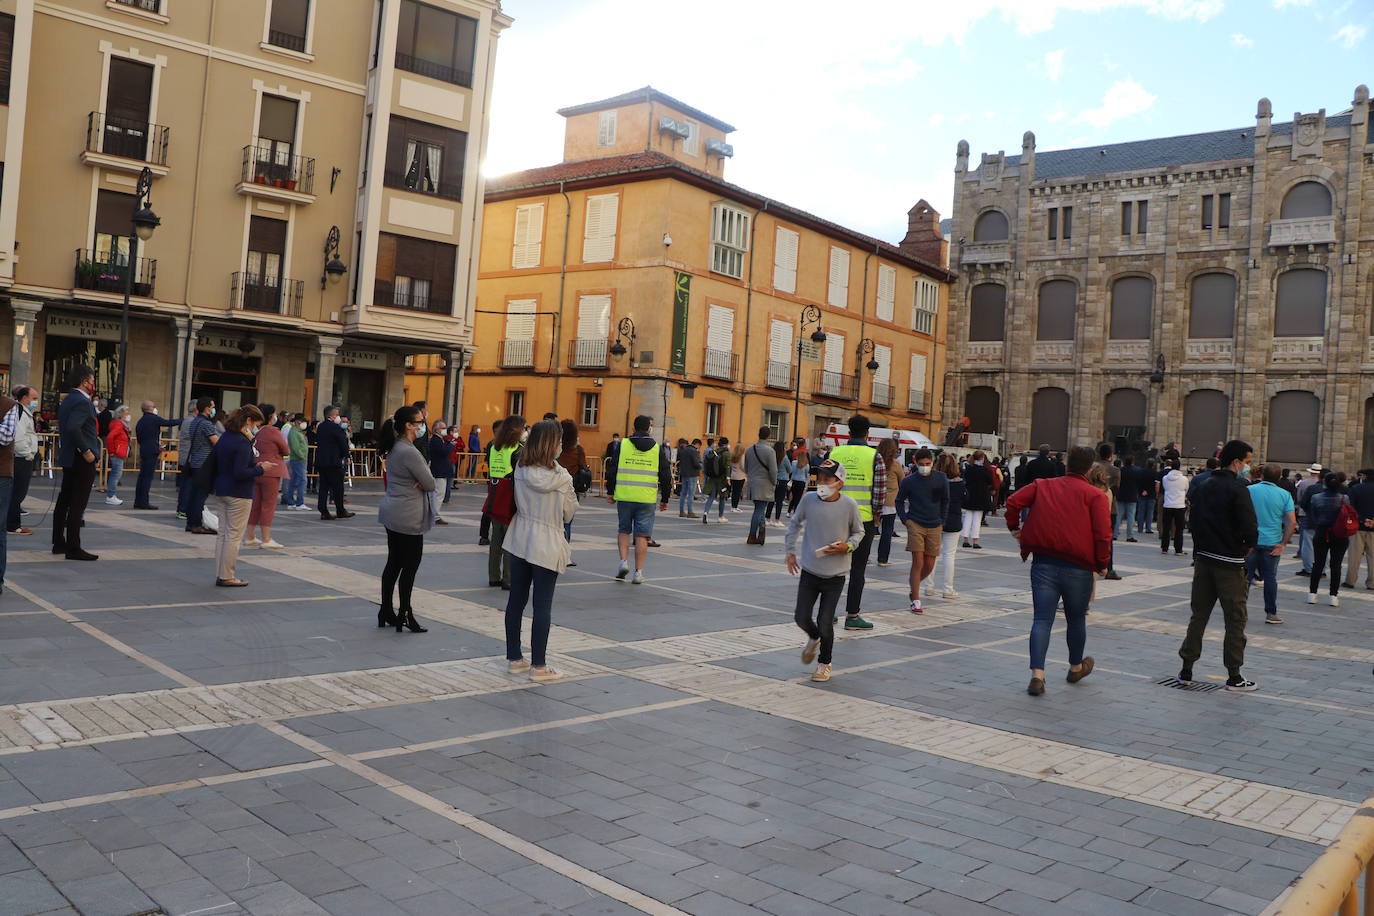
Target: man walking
148,432
331,456
25,451
761,472
1274,525
78,448
1224,533
865,482
922,505
1361,545
830,528
639,477
688,469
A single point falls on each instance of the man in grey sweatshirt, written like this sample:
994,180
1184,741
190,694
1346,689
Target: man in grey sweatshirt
831,529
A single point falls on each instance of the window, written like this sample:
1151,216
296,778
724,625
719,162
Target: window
1123,413
779,354
1142,216
1212,310
1060,223
414,273
785,260
1050,417
517,347
838,292
1141,221
6,53
515,403
1223,211
529,236
605,128
593,331
1207,211
720,342
425,158
276,137
991,227
1306,199
916,385
1058,312
987,312
1293,420
882,389
1132,308
692,140
287,27
113,223
776,421
262,280
589,408
1300,304
598,236
887,291
729,240
983,407
832,381
1204,422
436,43
128,100
713,412
924,305
1053,230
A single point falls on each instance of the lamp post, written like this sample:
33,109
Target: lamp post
625,331
142,223
334,269
809,316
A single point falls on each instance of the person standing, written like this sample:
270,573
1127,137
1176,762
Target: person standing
10,415
780,487
474,451
829,523
1127,493
78,450
270,447
639,477
236,471
1145,498
1323,508
715,470
573,458
738,476
25,452
484,526
865,482
200,435
437,450
1275,523
977,498
1172,491
1068,533
761,473
688,470
1361,545
953,524
887,521
103,416
331,457
538,549
801,474
148,434
1303,489
1041,466
500,463
922,503
406,512
298,453
117,449
1224,533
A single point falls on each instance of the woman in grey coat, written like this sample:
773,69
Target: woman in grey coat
406,512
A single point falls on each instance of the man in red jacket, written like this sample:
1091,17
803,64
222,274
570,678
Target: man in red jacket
1068,528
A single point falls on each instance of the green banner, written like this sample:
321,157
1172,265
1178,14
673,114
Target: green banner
682,294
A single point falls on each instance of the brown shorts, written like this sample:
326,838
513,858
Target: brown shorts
921,539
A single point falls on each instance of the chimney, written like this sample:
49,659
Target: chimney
923,239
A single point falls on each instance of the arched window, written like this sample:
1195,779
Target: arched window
991,227
1132,301
1050,418
1212,308
1058,310
1293,417
982,406
1300,303
1307,198
1205,413
987,313
1124,413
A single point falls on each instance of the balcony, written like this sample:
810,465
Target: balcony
406,181
267,295
442,72
721,364
588,353
916,401
1052,352
125,145
148,6
835,385
983,353
882,395
779,375
517,354
1297,350
1309,230
274,173
1133,352
1209,350
108,273
985,252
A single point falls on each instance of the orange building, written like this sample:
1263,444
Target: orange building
632,278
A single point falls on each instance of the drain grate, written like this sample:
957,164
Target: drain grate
1195,687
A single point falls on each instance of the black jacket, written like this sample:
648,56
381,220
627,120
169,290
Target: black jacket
978,494
688,461
1362,498
1222,517
1039,468
331,445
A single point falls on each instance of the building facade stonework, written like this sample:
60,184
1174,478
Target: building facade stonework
1184,289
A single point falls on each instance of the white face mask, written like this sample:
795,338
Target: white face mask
524,436
827,490
300,426
421,430
154,411
924,469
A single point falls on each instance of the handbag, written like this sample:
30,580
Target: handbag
1347,523
582,480
500,502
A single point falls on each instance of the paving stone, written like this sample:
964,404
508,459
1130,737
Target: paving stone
310,874
29,892
105,895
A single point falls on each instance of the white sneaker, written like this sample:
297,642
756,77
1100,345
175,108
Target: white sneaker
1312,598
252,542
272,545
1333,601
637,578
113,501
623,571
916,606
950,593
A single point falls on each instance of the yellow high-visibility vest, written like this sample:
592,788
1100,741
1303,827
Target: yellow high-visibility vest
636,474
498,465
858,475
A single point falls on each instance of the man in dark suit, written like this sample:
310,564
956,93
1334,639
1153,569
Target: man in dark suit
331,455
78,449
148,431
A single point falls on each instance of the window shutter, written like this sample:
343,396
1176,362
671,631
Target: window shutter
918,372
887,291
129,91
834,352
277,119
594,317
883,354
598,238
605,133
720,329
839,278
780,341
785,260
264,234
529,236
520,319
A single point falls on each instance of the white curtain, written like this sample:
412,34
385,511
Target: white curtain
432,155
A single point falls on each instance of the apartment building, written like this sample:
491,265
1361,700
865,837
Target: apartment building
314,167
1183,289
632,278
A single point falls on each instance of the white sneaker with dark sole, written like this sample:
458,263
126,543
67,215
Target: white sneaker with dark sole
623,571
1333,601
1273,618
1312,598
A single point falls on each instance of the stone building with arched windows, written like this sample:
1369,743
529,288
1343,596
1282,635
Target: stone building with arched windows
1182,289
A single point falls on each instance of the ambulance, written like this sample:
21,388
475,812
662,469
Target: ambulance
908,440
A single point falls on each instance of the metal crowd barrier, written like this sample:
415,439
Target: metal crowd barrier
1331,885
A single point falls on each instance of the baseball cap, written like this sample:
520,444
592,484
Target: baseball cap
831,469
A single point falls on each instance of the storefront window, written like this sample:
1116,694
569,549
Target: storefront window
61,354
358,392
230,379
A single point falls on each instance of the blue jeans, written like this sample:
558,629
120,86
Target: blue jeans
756,529
719,498
112,479
885,530
635,518
295,487
1305,549
6,491
1051,581
1145,515
523,574
685,496
1260,565
1125,512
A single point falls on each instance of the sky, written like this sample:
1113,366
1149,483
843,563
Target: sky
854,112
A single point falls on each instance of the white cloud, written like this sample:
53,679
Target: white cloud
1241,40
1122,99
1054,64
1280,4
1201,10
1057,115
1350,35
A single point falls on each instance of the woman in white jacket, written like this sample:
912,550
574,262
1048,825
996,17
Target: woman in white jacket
544,503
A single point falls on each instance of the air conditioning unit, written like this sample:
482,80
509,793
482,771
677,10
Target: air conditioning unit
676,128
720,148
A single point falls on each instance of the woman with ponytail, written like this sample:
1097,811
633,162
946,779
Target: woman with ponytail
405,512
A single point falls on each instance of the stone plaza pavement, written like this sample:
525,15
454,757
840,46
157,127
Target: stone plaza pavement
169,747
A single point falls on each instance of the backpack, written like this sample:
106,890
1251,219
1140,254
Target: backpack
1347,523
500,503
713,466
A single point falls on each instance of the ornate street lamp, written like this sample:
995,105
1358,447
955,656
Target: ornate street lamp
142,224
809,316
867,346
334,269
625,331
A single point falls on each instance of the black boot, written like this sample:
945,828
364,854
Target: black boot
386,617
406,619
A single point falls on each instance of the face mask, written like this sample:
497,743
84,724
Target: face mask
978,463
421,430
213,411
154,411
300,426
923,469
1245,471
826,490
524,436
